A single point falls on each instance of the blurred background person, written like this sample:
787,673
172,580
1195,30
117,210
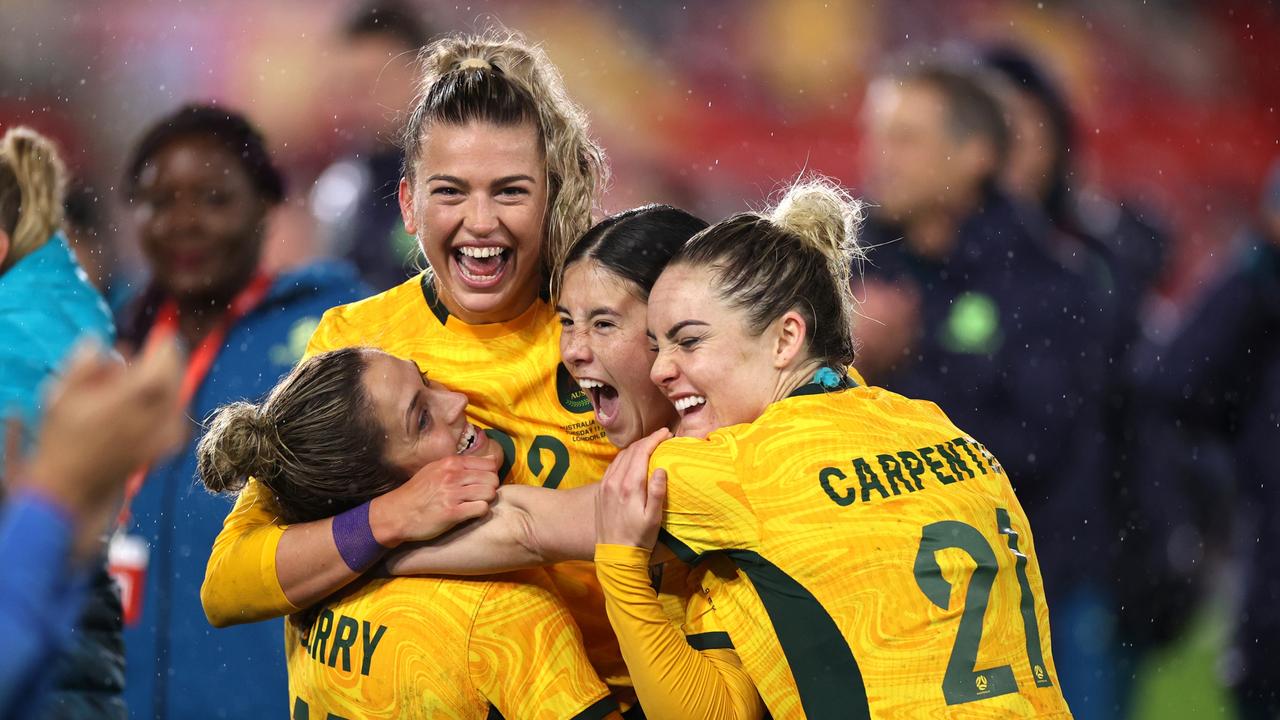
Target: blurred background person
969,303
46,306
1123,256
1214,387
354,200
99,421
202,186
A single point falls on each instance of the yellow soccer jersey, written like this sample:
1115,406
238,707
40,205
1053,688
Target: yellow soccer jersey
500,648
510,372
886,568
512,376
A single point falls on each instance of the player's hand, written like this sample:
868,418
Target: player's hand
439,496
629,509
102,421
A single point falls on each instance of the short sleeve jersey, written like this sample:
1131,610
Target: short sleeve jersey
885,567
499,648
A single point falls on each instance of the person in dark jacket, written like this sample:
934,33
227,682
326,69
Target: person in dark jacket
1124,249
969,303
202,186
354,200
1216,384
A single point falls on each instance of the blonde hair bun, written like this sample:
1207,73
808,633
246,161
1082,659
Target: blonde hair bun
236,446
825,216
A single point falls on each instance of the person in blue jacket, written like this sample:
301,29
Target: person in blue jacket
99,421
46,306
202,186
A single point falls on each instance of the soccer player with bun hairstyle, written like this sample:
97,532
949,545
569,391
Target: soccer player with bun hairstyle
330,437
500,178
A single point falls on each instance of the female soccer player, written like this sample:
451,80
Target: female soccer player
889,567
500,178
346,426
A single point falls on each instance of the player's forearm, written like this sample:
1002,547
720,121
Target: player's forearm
308,564
671,678
259,570
526,527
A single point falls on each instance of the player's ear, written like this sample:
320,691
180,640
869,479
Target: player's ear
788,335
405,196
5,243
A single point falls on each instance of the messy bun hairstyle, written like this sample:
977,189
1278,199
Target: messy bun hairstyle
503,80
314,442
796,256
32,183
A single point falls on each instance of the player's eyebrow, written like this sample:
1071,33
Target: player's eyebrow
675,329
508,179
594,312
408,415
449,179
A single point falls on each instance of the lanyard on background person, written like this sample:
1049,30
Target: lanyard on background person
128,554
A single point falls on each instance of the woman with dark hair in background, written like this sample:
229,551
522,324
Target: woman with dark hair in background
202,185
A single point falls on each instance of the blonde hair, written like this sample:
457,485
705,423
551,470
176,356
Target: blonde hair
32,183
502,79
797,255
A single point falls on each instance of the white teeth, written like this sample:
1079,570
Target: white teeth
589,384
467,440
480,252
685,403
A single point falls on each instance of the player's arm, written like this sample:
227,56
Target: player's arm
527,527
260,569
671,678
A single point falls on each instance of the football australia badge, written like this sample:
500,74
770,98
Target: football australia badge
572,398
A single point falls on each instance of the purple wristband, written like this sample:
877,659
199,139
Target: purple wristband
354,537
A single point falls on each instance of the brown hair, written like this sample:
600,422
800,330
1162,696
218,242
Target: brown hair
503,80
797,256
32,182
314,442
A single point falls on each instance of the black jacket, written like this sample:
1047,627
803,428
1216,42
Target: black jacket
90,675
